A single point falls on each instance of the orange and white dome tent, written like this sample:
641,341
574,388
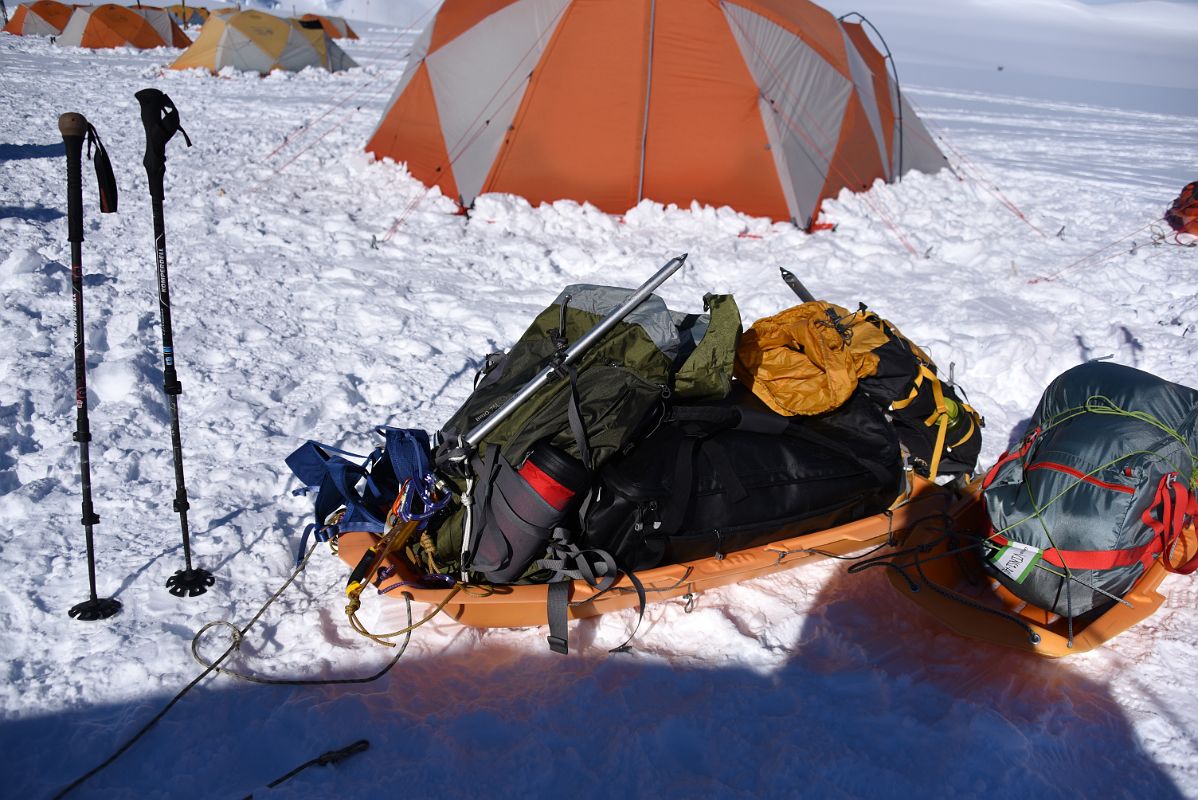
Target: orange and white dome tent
767,106
335,27
255,41
42,18
111,25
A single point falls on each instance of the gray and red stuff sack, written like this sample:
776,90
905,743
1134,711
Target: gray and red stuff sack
1101,487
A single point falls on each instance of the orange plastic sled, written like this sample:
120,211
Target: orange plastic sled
955,589
516,606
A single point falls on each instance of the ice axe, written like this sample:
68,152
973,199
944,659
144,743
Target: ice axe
799,289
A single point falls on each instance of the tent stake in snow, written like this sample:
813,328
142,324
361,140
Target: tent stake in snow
161,121
74,128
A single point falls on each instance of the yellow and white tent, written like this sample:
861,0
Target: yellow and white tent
254,41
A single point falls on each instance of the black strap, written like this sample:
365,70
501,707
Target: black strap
574,414
642,601
558,606
105,180
680,493
569,563
485,470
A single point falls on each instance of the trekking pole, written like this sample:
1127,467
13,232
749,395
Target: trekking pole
74,127
161,121
574,351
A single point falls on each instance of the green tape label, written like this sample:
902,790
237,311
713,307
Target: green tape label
1017,560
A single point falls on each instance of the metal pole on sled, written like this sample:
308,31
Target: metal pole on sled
73,128
574,351
161,121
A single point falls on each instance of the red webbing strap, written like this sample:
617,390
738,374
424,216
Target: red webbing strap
1008,457
1178,507
1094,559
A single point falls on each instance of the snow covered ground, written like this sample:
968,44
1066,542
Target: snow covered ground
317,294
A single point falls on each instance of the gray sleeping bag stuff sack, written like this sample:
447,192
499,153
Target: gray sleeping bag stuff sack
1100,488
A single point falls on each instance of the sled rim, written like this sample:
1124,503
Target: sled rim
518,606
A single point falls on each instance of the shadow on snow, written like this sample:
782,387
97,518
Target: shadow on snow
875,700
31,213
21,152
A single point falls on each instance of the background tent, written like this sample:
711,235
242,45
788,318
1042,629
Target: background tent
161,21
110,26
43,18
258,42
187,14
762,105
335,27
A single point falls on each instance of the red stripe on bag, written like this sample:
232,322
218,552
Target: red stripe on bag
1052,465
550,490
1094,559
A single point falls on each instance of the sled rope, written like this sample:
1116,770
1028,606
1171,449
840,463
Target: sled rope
937,133
1088,256
214,666
381,638
978,543
917,552
345,96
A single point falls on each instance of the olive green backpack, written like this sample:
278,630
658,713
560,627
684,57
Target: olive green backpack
591,411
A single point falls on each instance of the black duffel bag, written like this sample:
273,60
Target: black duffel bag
715,479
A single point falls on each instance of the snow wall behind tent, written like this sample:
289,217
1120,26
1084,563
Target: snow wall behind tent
41,18
762,105
254,41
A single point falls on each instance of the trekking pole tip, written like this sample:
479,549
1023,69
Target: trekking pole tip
72,123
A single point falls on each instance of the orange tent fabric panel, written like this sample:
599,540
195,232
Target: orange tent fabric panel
814,25
457,16
856,162
17,21
178,37
578,133
54,13
704,111
411,127
116,26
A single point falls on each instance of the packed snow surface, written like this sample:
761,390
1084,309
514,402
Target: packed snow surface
317,293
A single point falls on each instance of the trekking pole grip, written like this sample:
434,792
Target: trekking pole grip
160,118
73,127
